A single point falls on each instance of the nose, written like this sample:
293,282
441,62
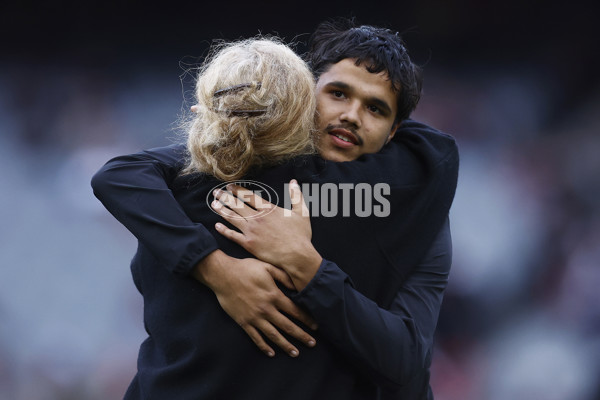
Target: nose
351,114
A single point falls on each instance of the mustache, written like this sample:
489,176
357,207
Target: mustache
347,126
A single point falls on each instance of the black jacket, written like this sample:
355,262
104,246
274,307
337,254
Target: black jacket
376,312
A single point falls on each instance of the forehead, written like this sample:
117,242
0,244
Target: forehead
360,81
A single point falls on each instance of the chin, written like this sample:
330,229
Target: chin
332,153
335,156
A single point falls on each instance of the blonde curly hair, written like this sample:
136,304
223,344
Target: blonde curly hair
255,107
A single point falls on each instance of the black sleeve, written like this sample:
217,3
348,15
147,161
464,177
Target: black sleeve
136,190
391,344
420,166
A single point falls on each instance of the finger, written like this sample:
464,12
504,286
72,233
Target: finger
286,305
287,326
258,340
277,338
249,197
227,213
298,203
194,108
280,276
235,204
230,234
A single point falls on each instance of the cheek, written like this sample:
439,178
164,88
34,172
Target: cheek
323,116
379,137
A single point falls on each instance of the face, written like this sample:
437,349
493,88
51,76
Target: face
356,111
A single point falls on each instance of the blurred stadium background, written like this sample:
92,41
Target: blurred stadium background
516,84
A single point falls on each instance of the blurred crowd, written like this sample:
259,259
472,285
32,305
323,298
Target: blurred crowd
521,316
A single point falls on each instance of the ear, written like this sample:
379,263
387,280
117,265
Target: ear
392,132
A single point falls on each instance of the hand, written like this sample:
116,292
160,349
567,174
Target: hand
273,234
246,290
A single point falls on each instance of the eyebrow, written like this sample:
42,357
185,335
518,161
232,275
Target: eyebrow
382,104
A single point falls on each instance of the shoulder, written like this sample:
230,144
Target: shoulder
427,141
174,155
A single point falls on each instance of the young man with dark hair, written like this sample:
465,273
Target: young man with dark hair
377,49
377,307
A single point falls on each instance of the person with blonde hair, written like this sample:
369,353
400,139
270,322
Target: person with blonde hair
255,107
376,306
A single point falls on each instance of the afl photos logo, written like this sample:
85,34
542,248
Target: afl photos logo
265,193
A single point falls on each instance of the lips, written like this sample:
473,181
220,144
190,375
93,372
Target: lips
344,137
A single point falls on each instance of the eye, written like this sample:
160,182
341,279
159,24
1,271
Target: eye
374,109
337,93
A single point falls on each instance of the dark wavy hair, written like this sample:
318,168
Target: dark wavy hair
378,49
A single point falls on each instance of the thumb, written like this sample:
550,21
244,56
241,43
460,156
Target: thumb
298,203
281,276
